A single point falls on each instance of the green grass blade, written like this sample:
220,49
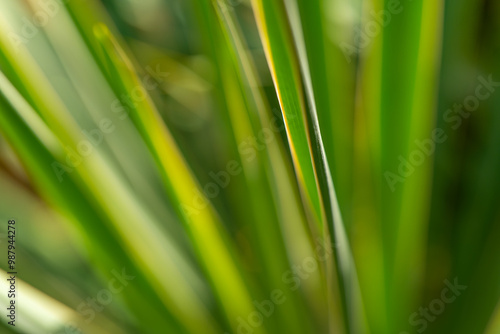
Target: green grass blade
286,76
285,65
345,264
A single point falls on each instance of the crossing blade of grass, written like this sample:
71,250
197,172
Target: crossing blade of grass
263,234
302,14
267,238
307,149
280,174
286,77
266,234
204,226
278,185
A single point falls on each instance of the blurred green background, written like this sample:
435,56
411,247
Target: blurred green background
264,166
